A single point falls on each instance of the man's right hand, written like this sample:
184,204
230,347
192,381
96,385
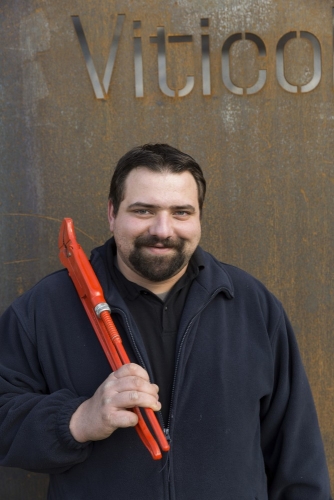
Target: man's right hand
98,417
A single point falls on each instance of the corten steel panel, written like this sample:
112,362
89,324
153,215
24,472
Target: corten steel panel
264,138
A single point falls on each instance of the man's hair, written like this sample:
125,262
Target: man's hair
157,158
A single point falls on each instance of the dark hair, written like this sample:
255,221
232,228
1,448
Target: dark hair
158,158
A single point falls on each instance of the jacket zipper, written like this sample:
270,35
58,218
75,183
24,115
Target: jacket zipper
167,430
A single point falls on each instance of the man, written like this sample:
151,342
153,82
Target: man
212,353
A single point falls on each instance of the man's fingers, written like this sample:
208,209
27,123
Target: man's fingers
131,398
129,383
121,418
131,369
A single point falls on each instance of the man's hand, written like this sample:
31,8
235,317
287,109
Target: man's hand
98,417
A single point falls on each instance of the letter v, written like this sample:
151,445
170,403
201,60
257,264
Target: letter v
99,94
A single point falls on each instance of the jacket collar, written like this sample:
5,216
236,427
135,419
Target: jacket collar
216,278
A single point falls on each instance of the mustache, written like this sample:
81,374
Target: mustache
152,240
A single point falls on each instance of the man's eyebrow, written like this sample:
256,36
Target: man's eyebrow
143,205
183,207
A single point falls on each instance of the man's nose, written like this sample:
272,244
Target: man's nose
162,225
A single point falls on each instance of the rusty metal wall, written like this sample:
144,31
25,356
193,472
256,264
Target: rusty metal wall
246,87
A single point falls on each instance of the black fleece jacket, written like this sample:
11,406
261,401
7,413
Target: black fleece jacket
242,422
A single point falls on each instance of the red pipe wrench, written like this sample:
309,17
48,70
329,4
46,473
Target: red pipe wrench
90,292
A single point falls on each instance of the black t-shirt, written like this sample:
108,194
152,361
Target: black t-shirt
158,321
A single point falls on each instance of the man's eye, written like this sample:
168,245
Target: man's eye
141,211
181,213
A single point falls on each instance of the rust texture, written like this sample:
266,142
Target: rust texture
267,154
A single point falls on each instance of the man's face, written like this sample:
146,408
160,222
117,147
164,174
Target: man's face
157,227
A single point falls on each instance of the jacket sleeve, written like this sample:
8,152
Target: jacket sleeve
34,424
291,441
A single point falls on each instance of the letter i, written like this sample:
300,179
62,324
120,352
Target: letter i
206,77
138,61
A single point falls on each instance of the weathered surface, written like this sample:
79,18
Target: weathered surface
267,155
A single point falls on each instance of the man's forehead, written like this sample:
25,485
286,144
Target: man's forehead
147,187
145,173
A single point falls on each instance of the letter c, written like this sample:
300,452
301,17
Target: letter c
316,62
226,64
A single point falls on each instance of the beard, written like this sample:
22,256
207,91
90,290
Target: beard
158,267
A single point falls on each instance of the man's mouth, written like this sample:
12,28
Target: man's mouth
158,245
161,245
159,249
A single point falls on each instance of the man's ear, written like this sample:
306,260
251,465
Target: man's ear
111,216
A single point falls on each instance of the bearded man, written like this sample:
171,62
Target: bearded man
211,349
